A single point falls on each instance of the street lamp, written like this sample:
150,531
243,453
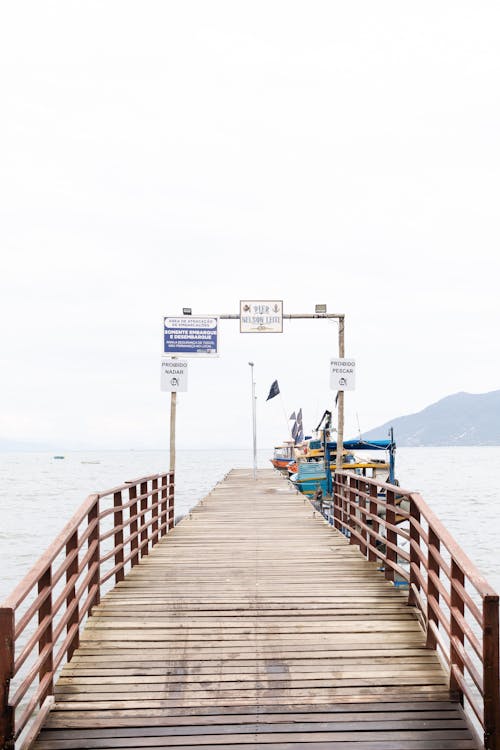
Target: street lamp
254,424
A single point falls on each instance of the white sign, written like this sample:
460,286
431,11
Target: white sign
174,375
342,374
261,316
190,336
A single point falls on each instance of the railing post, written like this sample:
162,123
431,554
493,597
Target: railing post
353,493
432,590
457,603
375,524
45,611
163,515
337,498
414,558
118,541
72,547
345,505
142,519
491,678
155,500
134,543
94,562
171,509
7,639
390,535
362,516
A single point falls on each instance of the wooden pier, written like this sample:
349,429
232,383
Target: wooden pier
252,622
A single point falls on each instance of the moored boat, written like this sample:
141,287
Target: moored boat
312,477
284,456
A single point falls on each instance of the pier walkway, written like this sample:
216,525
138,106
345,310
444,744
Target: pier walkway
254,622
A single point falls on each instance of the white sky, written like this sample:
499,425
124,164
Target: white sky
163,154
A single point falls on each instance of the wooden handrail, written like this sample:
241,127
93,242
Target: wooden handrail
109,533
440,577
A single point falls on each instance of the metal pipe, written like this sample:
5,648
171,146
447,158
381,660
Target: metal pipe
289,316
254,424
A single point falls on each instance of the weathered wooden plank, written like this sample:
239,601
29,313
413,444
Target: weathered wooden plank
261,738
383,725
413,704
104,721
399,744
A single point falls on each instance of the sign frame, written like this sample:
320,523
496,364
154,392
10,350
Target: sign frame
261,324
203,339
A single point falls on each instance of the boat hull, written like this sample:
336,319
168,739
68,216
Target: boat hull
281,464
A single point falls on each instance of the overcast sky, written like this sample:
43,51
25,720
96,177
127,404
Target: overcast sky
156,155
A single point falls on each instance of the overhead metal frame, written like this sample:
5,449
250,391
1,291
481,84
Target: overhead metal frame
340,394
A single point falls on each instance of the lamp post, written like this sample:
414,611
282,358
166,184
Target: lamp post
340,423
254,424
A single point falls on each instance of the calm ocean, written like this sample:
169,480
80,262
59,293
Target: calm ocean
39,494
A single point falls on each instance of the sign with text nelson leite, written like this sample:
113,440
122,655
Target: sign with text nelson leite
174,375
190,336
261,316
342,374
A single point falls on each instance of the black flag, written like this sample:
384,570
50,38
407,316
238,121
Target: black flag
274,390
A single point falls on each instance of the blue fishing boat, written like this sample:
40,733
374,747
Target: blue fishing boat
313,479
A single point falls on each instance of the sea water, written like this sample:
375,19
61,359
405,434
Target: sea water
39,494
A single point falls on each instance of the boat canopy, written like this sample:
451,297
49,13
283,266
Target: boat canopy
366,445
356,445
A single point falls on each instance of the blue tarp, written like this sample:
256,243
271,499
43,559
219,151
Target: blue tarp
356,445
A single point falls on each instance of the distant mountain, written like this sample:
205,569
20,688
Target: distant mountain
461,419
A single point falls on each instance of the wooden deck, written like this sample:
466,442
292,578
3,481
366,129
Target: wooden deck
254,623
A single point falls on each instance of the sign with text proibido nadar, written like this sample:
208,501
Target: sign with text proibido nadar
261,316
191,336
174,375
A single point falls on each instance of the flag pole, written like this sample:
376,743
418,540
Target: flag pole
285,412
254,423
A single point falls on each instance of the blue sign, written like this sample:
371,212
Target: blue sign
190,337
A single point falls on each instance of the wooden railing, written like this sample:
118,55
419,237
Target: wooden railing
457,607
40,621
